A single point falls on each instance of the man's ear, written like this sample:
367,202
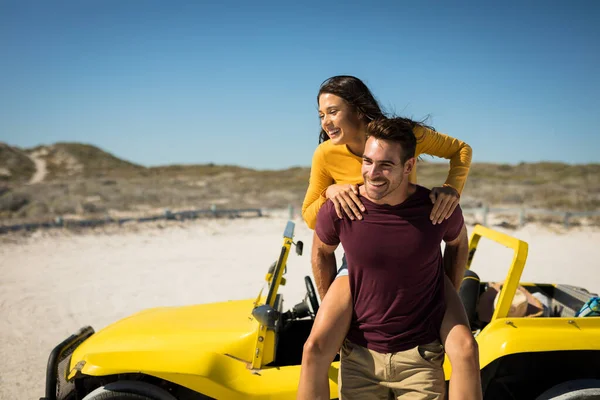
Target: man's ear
409,165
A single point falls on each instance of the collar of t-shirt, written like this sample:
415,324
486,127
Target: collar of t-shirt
417,195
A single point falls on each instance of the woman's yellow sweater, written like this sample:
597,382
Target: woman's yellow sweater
333,164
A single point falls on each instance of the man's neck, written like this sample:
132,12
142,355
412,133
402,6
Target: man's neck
395,198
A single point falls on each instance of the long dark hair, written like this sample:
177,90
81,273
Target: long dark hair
359,97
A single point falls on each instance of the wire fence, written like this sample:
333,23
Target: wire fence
213,212
60,222
566,217
523,213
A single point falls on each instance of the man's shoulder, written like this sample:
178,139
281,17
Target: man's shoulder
421,196
327,226
422,190
328,210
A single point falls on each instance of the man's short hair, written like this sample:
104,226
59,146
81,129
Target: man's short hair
399,130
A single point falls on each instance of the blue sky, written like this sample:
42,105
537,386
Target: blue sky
163,82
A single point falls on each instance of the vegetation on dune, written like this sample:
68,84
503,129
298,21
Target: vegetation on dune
82,160
83,180
556,186
15,165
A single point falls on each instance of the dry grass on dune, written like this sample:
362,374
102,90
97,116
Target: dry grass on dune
85,181
163,189
540,185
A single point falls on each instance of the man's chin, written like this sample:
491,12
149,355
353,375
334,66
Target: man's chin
375,195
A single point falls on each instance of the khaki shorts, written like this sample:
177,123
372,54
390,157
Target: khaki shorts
416,373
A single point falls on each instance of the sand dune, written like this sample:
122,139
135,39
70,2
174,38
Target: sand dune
53,283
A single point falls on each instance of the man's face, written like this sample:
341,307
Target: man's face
382,169
338,120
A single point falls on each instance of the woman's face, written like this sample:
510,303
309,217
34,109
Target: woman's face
339,121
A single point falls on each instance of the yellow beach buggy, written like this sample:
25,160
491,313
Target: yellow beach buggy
252,349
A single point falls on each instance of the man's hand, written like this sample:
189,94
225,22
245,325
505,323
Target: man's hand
345,197
323,264
444,199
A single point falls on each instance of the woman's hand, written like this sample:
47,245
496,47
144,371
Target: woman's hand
444,199
345,197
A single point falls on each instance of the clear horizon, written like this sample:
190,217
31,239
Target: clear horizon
159,83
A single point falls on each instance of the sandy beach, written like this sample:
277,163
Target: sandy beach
52,283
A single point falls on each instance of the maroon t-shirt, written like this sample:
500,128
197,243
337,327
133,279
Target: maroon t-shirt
395,268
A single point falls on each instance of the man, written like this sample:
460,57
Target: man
396,273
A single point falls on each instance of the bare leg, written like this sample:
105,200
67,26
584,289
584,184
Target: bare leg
326,337
461,347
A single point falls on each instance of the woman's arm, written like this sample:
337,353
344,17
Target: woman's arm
445,199
320,180
458,152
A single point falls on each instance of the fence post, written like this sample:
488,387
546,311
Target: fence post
486,210
567,216
522,218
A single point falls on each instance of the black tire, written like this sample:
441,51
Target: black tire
109,395
580,389
129,390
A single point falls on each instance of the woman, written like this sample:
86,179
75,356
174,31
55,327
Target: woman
346,106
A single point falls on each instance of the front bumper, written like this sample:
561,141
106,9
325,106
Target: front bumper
57,386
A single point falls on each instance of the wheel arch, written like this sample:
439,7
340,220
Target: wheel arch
528,374
137,383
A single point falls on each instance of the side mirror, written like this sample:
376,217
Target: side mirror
266,315
299,247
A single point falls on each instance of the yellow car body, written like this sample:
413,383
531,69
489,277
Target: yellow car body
504,336
234,349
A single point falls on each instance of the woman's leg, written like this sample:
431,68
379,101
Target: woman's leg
326,337
461,347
